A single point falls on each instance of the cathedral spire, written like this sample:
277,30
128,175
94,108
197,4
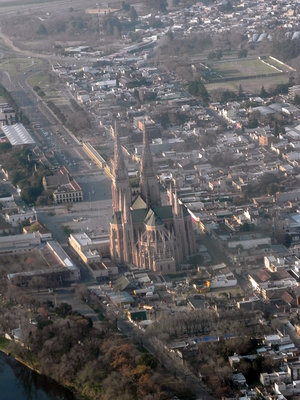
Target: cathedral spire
121,190
147,162
177,207
149,185
119,168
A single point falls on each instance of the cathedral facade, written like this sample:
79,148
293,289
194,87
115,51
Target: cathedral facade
143,232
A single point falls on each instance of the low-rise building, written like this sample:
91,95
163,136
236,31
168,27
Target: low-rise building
19,243
64,188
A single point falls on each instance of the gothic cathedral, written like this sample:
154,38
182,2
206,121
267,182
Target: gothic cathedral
142,231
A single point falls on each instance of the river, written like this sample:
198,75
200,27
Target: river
18,382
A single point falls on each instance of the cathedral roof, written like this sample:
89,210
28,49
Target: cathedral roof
138,215
150,216
139,203
152,219
163,212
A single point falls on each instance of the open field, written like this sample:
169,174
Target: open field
17,66
42,79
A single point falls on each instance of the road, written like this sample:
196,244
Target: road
62,148
172,363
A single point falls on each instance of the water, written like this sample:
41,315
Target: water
18,382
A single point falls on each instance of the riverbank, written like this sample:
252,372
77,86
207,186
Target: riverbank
4,343
4,349
19,382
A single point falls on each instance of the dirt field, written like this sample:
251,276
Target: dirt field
33,260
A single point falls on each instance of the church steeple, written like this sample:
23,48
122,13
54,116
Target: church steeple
149,185
119,168
120,182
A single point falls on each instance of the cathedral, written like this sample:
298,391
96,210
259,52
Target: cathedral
143,232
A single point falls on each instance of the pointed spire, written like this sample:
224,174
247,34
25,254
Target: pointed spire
149,184
146,162
176,202
126,213
119,163
120,181
177,208
171,194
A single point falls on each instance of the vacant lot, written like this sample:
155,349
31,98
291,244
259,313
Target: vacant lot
22,262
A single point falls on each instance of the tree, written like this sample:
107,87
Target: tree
160,5
263,92
125,6
215,55
197,88
133,14
276,129
67,230
38,282
243,53
297,99
148,360
4,147
240,92
42,30
288,240
63,310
